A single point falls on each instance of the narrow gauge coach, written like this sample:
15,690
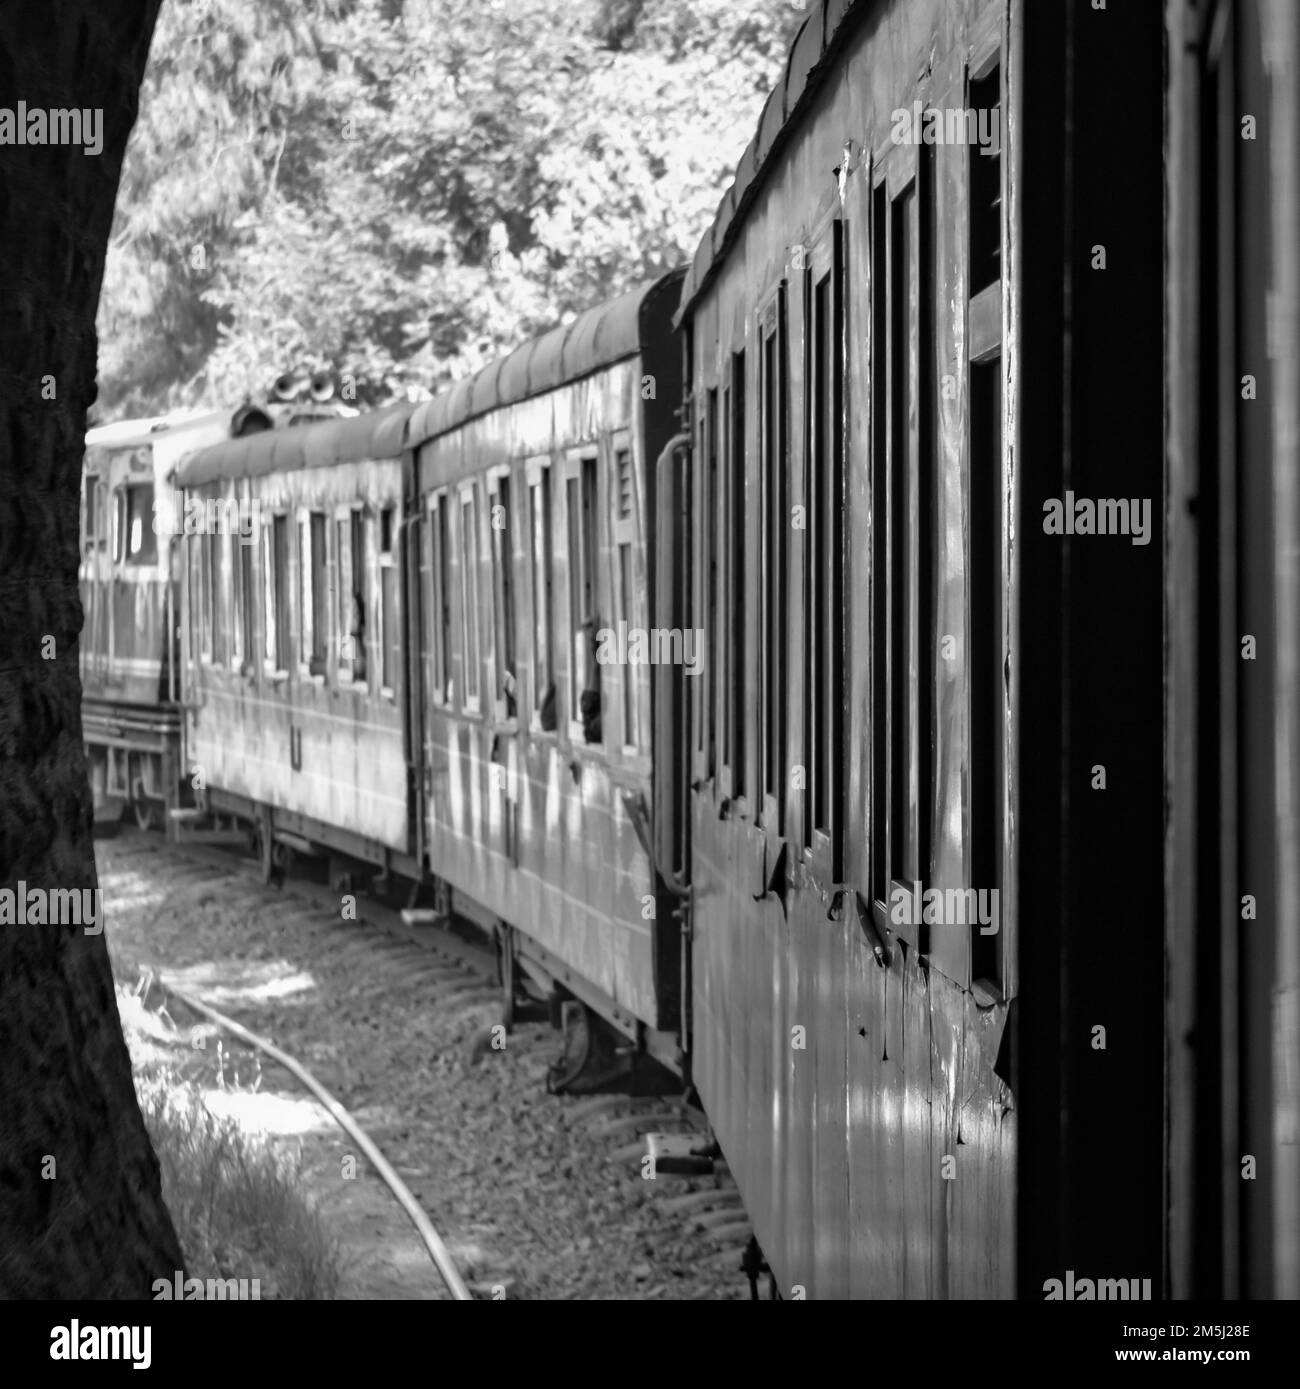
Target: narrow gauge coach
902,858
403,669
130,702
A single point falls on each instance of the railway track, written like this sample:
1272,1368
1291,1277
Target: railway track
397,1020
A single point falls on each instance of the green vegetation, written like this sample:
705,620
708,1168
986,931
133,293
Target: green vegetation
400,190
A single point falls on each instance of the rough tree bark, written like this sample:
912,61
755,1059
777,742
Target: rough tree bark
94,1225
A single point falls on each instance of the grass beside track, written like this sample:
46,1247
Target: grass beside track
235,1199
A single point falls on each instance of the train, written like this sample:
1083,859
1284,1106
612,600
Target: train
855,675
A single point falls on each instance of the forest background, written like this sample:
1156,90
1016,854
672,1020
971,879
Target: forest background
399,191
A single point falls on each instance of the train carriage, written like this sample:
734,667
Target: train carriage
127,652
537,505
889,783
293,651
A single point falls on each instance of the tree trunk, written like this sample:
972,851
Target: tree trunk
81,1212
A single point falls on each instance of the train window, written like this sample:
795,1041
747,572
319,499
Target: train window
361,596
544,716
347,635
626,599
735,546
879,553
775,545
985,615
438,603
584,622
390,637
305,560
276,561
902,504
246,593
709,578
314,593
505,693
824,546
91,529
218,590
469,595
204,542
986,187
141,543
984,538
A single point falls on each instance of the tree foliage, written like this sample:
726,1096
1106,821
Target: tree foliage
401,190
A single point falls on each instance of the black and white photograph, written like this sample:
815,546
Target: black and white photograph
649,651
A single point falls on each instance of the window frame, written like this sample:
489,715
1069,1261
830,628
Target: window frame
471,697
626,606
772,339
505,644
387,563
537,476
734,775
900,175
825,538
577,465
437,597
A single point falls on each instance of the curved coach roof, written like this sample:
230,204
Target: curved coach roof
822,33
375,435
594,339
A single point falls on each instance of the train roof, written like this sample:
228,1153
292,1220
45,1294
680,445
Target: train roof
594,339
828,24
377,434
135,433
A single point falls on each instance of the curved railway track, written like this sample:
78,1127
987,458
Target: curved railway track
538,1195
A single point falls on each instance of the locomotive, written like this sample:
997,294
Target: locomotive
957,866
